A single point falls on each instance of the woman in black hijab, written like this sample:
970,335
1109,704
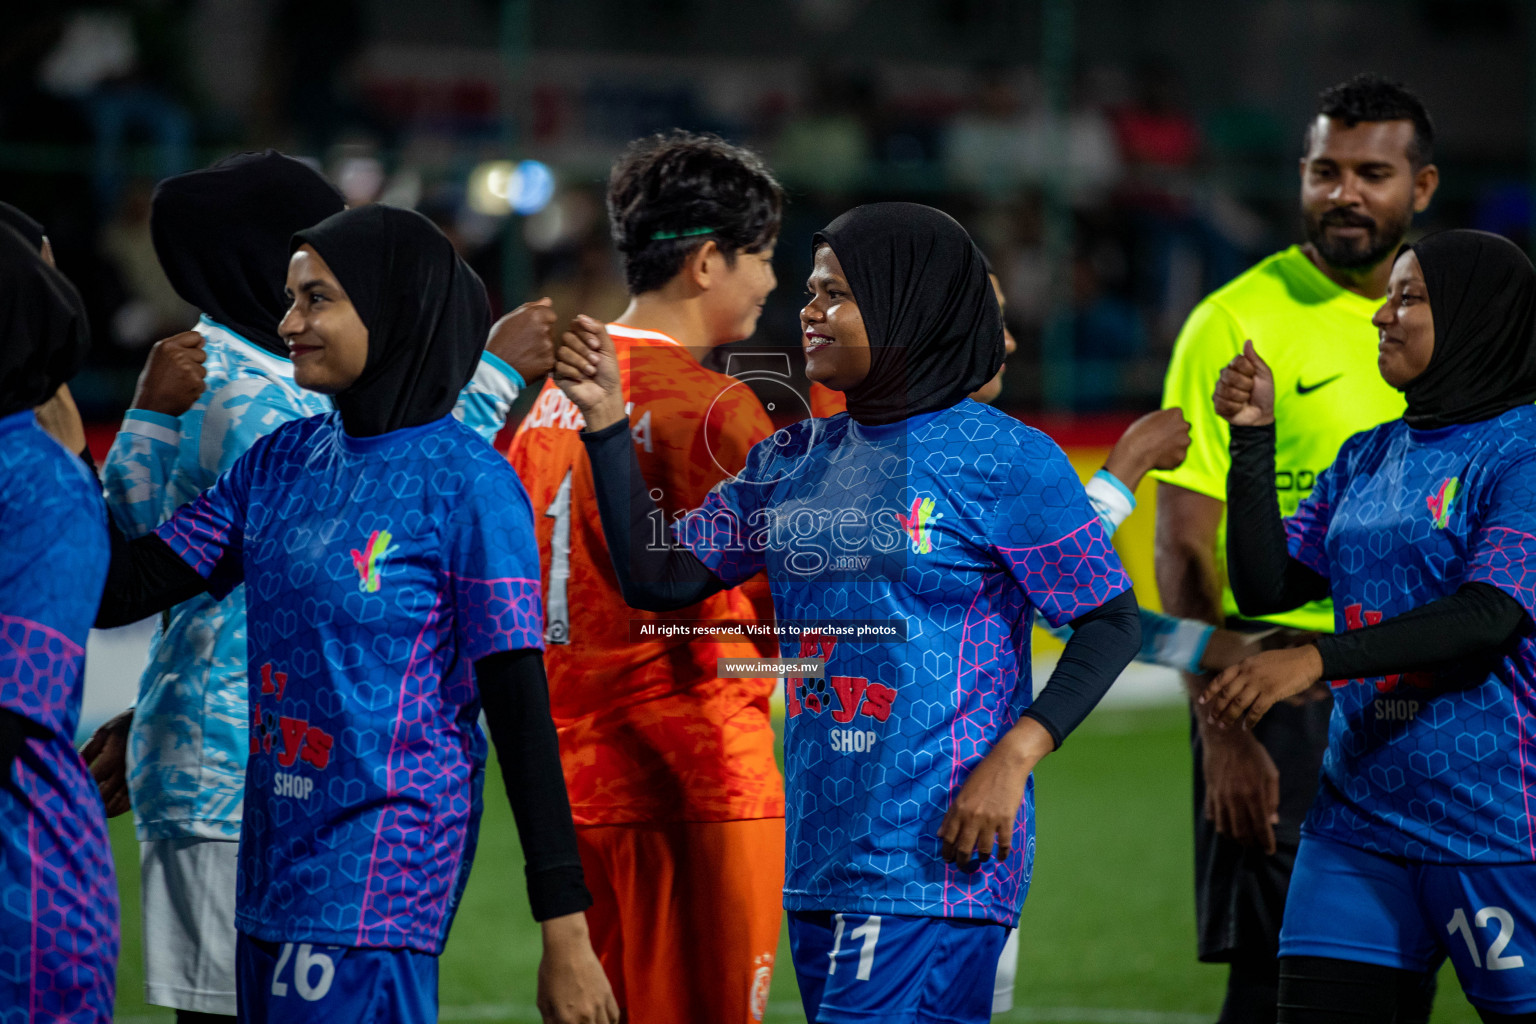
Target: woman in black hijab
426,318
58,415
385,519
222,235
45,339
920,505
59,916
930,320
1423,532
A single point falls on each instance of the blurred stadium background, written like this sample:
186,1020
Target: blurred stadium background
1117,159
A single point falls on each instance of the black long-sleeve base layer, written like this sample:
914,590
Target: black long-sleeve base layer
667,578
146,577
1472,625
1089,665
515,695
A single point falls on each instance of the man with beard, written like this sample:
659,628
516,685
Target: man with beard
1365,172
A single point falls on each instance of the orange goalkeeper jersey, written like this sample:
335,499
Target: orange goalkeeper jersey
647,730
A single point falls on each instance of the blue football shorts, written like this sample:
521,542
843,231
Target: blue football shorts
861,968
305,983
1350,904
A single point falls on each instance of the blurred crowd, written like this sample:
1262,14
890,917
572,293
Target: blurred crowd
1108,205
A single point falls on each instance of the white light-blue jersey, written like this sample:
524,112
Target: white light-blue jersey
190,738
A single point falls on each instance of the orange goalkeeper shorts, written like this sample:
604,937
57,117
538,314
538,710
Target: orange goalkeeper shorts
686,916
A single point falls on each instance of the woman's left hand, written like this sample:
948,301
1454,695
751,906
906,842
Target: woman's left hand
1250,688
987,805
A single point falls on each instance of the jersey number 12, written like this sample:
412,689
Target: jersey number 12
1495,960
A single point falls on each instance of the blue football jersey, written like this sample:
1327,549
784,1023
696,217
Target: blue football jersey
1401,518
187,748
956,527
377,570
58,897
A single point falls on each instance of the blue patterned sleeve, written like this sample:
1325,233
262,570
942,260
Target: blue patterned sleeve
729,531
1502,548
487,398
1046,535
208,532
1165,640
51,572
493,563
138,470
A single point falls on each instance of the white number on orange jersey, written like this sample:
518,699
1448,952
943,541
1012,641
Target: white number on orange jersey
557,612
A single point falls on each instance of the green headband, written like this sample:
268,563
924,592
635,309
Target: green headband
658,236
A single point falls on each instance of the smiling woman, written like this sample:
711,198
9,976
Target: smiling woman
905,877
386,518
327,341
836,344
1423,531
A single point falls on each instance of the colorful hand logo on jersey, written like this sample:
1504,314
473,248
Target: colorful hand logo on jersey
918,526
367,561
1440,504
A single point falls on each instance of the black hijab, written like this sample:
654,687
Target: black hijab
23,224
935,332
1482,293
44,337
222,236
425,310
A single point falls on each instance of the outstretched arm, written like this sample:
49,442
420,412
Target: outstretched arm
1158,440
144,577
652,577
1470,627
518,350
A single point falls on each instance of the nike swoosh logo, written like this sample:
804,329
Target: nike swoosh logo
1306,389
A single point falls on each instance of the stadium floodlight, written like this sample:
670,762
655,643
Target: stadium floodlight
499,187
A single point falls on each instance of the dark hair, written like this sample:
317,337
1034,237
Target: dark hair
1370,97
669,194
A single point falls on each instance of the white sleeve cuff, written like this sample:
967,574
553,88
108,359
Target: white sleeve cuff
1176,643
1110,499
495,376
156,426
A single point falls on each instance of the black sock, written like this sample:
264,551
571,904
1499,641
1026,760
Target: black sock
1321,990
1253,985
